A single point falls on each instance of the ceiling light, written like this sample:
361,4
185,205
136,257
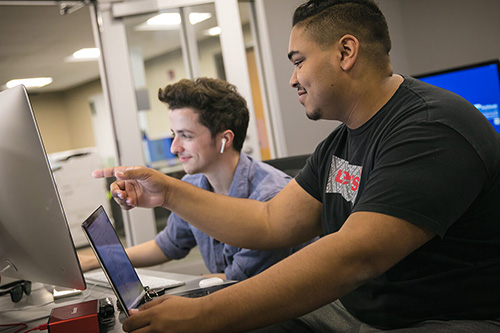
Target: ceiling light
87,53
195,18
215,31
164,19
169,21
36,82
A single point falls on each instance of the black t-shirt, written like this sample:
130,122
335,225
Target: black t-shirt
432,159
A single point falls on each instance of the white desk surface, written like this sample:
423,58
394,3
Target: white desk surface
35,309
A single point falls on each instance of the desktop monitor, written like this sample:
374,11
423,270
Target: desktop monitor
478,83
35,240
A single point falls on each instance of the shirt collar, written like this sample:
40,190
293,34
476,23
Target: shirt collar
239,187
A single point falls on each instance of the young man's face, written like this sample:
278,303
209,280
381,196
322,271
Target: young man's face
314,76
192,141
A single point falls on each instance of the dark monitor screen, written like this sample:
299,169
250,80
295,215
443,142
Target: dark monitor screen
477,83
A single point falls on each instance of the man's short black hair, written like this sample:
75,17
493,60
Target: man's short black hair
326,21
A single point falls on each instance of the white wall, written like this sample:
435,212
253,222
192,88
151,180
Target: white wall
430,35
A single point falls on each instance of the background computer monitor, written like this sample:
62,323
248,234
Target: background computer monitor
35,241
478,83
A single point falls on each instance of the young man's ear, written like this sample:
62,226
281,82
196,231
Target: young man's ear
226,140
349,50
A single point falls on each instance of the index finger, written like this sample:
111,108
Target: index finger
108,172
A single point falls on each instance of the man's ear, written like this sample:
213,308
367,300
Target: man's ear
227,137
349,50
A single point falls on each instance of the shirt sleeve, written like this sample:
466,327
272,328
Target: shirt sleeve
244,263
176,239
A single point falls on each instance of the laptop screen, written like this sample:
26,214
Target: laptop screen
114,260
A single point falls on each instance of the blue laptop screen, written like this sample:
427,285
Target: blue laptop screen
114,259
479,84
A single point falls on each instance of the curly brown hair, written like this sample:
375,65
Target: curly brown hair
217,102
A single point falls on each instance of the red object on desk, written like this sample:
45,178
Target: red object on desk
75,318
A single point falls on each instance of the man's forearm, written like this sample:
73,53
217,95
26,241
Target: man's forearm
279,222
295,286
146,254
366,246
240,222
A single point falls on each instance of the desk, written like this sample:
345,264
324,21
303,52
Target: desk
35,308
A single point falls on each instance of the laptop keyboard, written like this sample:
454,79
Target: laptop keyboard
153,282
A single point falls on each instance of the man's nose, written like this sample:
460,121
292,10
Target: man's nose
175,147
293,80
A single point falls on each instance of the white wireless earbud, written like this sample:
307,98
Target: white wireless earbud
223,145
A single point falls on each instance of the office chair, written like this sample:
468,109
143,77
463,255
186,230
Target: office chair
290,165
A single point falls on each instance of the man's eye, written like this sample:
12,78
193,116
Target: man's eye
298,62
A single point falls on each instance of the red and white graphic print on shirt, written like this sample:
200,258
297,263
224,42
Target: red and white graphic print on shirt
344,179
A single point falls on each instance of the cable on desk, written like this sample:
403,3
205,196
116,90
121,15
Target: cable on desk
88,291
41,327
18,324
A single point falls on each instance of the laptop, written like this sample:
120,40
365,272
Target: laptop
121,274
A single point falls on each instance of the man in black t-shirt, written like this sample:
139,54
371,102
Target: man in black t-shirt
419,159
404,194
